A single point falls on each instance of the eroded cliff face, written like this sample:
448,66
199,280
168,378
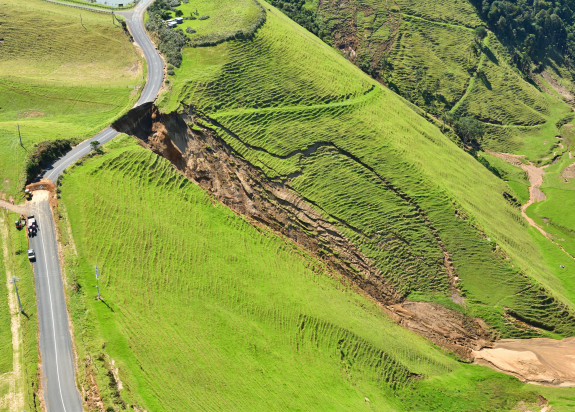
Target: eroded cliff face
206,159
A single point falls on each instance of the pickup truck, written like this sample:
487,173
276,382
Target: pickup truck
31,255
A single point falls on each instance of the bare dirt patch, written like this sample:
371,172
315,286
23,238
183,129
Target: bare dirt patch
535,176
559,88
21,209
43,184
540,361
444,327
568,172
28,114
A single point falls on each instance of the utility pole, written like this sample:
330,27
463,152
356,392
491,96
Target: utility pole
97,283
14,280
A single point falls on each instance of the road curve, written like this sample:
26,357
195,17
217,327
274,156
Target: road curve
155,64
58,374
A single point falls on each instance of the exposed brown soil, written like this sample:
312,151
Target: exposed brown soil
30,114
43,184
568,172
208,161
444,327
21,209
348,37
540,360
559,88
91,392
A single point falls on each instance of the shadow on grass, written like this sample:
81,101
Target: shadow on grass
106,303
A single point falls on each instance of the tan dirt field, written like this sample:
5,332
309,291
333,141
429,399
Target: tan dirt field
539,361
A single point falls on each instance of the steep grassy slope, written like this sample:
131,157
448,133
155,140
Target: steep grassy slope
428,53
204,311
413,202
63,74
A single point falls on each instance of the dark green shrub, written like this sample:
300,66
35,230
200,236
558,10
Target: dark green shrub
171,41
44,155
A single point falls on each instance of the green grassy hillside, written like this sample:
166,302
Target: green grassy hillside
429,55
64,73
203,311
397,187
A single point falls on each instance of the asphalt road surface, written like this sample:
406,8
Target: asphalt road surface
57,364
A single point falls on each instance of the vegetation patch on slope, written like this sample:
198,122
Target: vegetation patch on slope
250,321
70,81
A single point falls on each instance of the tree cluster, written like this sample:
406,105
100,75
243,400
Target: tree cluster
44,154
468,128
533,27
171,41
302,15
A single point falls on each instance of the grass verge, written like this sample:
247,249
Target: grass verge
71,80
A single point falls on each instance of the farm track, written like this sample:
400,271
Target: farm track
535,175
368,94
56,349
470,84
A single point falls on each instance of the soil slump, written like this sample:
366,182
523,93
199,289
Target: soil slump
540,361
206,159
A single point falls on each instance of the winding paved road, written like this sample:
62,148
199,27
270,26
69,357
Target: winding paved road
58,377
135,21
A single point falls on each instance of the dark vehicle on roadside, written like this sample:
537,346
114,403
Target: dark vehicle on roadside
32,226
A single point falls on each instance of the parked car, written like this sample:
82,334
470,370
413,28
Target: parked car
31,255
